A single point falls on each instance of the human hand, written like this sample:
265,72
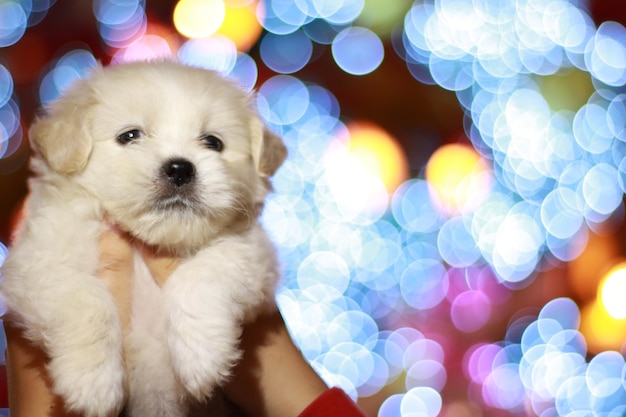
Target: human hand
30,388
272,378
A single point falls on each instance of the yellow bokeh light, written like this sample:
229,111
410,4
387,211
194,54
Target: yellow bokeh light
613,290
459,177
601,330
379,153
199,18
241,24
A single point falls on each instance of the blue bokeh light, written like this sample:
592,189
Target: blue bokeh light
13,21
286,54
70,67
216,52
11,134
554,374
6,86
357,50
120,22
245,71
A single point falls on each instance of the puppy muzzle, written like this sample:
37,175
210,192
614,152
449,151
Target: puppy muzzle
179,172
177,188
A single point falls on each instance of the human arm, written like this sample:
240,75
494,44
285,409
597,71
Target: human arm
30,389
272,379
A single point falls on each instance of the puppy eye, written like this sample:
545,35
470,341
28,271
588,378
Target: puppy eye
129,136
213,142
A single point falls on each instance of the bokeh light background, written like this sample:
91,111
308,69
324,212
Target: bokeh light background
450,220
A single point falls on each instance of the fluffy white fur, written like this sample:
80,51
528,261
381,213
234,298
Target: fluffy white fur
183,337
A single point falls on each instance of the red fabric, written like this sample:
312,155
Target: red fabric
332,403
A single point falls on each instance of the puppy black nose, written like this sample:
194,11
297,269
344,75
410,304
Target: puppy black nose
179,171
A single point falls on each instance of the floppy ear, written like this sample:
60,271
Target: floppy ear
268,150
62,136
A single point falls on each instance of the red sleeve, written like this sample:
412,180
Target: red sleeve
332,403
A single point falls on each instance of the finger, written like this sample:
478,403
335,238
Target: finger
116,269
30,389
161,265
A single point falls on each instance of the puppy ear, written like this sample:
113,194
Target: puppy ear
268,150
61,135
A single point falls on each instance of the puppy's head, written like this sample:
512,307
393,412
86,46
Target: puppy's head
174,154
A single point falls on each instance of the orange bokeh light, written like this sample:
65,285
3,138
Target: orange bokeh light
601,330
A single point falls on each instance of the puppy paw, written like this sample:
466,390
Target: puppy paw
90,382
202,358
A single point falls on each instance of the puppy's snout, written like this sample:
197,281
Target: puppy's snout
179,171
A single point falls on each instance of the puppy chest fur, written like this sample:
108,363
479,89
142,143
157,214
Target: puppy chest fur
178,159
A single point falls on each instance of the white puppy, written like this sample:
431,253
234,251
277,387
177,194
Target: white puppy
177,157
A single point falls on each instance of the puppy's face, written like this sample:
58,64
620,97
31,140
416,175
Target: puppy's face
174,153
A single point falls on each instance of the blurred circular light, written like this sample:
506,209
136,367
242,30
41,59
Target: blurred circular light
503,388
471,310
6,85
604,374
241,24
288,53
456,243
199,18
113,13
339,13
322,32
283,100
606,54
424,283
13,22
601,189
274,19
11,134
215,52
591,130
562,310
459,177
357,51
354,184
148,47
38,10
245,71
454,75
120,23
324,269
602,331
557,215
612,290
391,406
71,66
421,401
413,208
616,114
517,249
